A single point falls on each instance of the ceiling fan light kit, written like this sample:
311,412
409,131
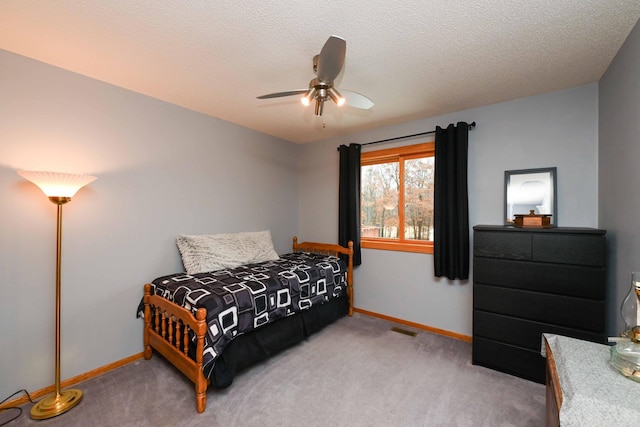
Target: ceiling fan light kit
308,96
336,96
327,65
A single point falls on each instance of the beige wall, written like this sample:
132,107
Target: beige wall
162,170
556,129
619,160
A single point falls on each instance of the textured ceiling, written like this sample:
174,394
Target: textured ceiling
414,59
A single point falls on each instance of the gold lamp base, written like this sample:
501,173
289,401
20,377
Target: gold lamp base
57,404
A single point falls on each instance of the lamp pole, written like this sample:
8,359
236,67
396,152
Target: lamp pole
59,188
62,400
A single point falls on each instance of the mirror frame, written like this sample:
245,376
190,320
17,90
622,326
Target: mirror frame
514,178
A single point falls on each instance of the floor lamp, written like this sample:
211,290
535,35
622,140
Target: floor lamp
60,188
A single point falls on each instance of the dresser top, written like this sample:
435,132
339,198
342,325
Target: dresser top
563,230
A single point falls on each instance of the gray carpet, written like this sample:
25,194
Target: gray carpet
356,372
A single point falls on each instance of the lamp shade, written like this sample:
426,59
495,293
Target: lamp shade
56,184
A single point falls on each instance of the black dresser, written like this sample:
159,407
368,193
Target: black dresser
527,281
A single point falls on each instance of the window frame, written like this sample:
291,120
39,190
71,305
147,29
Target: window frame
398,154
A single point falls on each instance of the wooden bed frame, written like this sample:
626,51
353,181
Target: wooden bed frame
174,345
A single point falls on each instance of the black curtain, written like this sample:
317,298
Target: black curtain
451,203
349,199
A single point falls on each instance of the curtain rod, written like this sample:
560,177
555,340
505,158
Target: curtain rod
471,126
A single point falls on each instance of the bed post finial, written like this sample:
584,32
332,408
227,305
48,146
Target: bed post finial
295,243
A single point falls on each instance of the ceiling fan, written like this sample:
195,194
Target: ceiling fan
327,65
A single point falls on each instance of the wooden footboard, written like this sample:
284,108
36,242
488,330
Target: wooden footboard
335,250
167,326
166,329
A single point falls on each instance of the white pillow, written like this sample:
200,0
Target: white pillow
202,253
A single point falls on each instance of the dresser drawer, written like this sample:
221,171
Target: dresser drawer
578,249
577,313
521,362
523,333
502,245
563,279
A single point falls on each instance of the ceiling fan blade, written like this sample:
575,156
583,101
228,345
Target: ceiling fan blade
331,59
281,94
356,100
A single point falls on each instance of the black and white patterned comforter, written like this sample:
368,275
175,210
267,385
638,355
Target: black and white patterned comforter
242,299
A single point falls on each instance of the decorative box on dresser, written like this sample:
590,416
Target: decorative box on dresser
530,281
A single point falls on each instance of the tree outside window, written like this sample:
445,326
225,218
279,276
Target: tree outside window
397,198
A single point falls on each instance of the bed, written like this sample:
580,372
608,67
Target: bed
209,344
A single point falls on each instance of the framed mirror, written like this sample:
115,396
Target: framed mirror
529,190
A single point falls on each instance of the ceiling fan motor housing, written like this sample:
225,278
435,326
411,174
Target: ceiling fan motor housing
326,66
321,91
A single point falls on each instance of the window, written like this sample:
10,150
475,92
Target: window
396,205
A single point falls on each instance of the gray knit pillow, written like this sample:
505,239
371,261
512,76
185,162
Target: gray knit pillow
202,253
